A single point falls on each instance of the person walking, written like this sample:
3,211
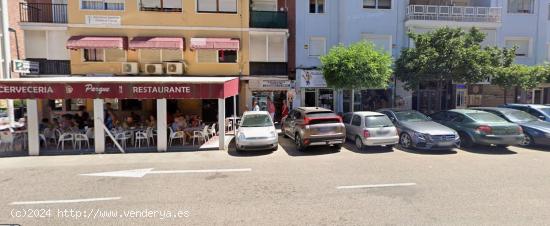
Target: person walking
271,108
255,106
284,110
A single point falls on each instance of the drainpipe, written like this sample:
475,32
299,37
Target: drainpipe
6,49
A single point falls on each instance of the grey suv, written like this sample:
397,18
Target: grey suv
313,126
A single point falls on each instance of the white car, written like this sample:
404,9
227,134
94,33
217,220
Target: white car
256,132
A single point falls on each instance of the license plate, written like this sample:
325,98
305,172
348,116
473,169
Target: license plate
324,130
383,132
445,144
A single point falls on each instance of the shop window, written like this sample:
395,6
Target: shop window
161,5
377,4
522,46
521,6
94,55
102,4
115,55
227,56
317,46
131,105
316,6
217,6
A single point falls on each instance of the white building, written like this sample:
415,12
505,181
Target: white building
321,24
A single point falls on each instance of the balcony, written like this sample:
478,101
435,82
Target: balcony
43,13
454,13
268,19
50,67
268,68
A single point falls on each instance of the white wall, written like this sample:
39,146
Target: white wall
57,41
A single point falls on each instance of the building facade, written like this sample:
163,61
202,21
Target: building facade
322,24
232,38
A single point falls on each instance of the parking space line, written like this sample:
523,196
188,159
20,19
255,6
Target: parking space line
65,201
376,186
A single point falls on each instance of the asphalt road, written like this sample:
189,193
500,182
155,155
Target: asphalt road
482,186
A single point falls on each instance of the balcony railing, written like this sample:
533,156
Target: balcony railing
454,13
268,68
43,13
268,19
50,67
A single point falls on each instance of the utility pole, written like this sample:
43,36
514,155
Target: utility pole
6,52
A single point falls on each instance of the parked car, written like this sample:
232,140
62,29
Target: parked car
256,132
540,111
417,130
313,126
368,128
480,127
535,130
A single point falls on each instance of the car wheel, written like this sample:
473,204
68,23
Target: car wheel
465,140
359,143
405,141
527,140
299,144
238,150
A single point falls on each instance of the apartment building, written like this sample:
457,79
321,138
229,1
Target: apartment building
201,38
322,24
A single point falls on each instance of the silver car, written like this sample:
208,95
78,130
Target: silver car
370,129
417,130
256,132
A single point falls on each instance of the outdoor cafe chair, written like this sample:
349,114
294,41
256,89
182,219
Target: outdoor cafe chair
150,134
212,130
6,140
79,138
65,137
123,137
200,135
141,136
179,135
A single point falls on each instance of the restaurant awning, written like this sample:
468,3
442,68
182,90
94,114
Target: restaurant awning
120,87
97,42
215,43
157,43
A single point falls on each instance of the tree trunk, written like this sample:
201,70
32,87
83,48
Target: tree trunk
505,96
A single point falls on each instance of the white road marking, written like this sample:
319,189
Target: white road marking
200,171
65,201
139,173
376,186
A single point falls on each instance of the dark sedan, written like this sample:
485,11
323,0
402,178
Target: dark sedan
537,132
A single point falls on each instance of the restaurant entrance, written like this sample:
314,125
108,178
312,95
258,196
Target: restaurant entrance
134,91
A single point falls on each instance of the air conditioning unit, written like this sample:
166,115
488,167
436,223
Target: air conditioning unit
174,68
129,68
153,69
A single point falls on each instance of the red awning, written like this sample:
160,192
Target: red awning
95,42
215,43
157,43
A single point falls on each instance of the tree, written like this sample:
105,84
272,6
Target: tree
358,66
447,55
521,76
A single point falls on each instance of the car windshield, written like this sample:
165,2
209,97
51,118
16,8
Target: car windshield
377,121
411,116
485,117
520,116
256,121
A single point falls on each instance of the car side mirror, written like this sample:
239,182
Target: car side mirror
542,117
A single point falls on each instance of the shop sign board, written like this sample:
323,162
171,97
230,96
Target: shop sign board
21,90
312,79
270,84
103,20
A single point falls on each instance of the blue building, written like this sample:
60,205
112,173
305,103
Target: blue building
321,24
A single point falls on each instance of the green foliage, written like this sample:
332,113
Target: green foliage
359,66
525,77
446,54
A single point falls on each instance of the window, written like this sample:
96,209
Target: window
317,46
522,46
267,48
383,42
161,5
217,6
356,121
521,6
347,118
94,55
316,6
377,4
102,4
227,56
216,56
115,55
159,55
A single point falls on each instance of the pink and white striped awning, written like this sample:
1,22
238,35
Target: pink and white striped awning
215,43
97,42
157,43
